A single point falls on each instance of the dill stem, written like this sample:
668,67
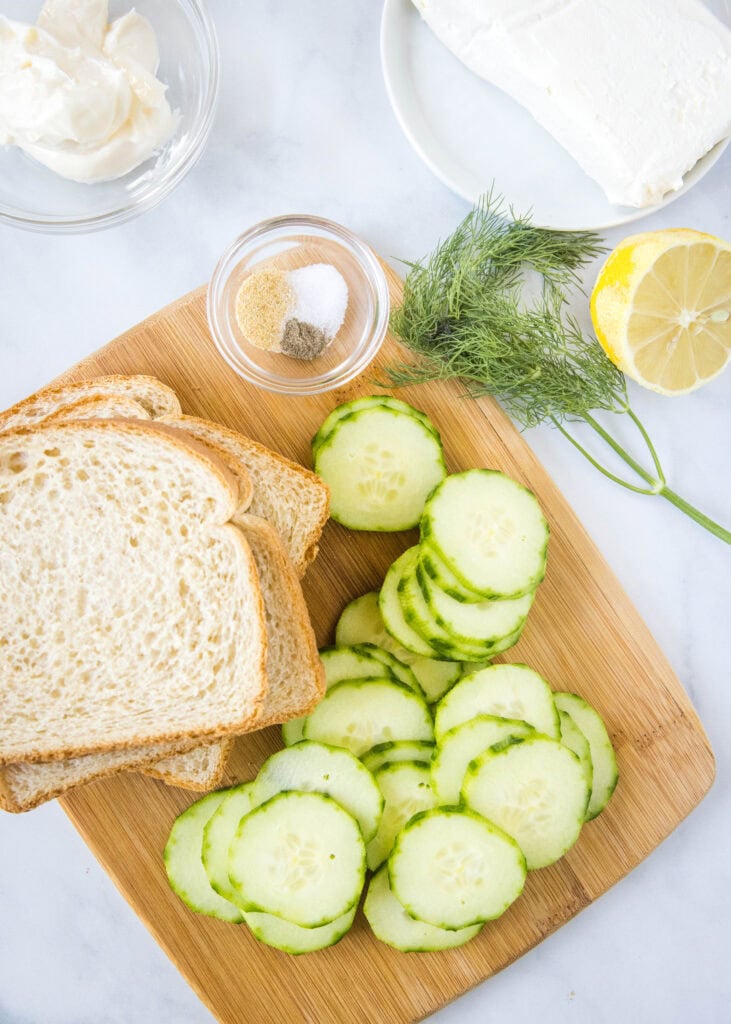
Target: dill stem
657,486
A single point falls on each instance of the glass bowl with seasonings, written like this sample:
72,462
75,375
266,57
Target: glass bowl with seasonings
298,305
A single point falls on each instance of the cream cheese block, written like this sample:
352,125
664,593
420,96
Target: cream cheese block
637,91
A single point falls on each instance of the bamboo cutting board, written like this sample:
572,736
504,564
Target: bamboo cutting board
583,634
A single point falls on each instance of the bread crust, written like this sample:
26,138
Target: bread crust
138,386
254,525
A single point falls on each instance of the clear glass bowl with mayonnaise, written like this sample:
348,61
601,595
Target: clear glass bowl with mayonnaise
132,83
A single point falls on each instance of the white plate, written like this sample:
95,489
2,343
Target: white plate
471,135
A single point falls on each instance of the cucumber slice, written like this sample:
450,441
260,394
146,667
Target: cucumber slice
470,667
453,869
506,691
402,672
392,612
486,622
391,924
490,531
361,622
339,663
357,405
437,570
299,856
400,750
406,787
315,768
291,938
463,744
293,731
603,759
536,790
359,714
218,835
419,617
380,465
342,663
573,738
184,866
506,643
436,677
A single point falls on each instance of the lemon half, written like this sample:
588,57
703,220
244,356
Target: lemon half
661,308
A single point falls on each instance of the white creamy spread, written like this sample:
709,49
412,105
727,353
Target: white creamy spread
637,91
80,95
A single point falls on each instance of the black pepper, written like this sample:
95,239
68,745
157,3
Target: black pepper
303,341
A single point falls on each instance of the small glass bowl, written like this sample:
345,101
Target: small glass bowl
37,199
288,243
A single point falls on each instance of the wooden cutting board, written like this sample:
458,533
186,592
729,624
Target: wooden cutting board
583,634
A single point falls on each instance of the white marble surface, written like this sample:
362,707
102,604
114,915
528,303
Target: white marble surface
304,125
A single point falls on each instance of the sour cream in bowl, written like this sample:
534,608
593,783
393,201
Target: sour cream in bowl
103,108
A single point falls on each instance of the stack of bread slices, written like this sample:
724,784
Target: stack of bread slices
150,605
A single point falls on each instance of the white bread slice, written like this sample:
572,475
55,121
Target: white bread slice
295,685
143,557
294,500
98,407
295,676
156,398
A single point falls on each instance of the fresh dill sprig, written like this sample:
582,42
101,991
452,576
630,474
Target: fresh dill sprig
465,315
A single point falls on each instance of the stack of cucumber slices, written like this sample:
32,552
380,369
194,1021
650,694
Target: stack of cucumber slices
446,776
448,806
464,592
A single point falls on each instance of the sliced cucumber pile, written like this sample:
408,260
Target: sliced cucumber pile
439,602
464,592
447,776
450,828
489,533
381,462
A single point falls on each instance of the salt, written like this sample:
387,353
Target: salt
320,297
